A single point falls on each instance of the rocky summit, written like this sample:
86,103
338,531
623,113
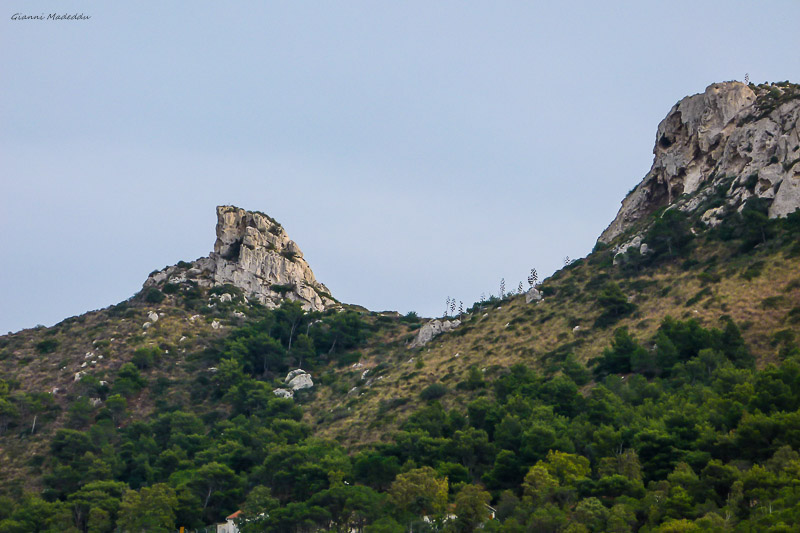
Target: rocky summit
254,253
731,143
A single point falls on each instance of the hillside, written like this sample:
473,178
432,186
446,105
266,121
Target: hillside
653,385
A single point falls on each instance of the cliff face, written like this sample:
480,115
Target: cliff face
252,252
741,138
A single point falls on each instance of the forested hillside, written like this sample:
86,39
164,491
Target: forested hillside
652,386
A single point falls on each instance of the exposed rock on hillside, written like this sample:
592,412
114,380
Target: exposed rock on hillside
431,329
533,295
252,252
733,140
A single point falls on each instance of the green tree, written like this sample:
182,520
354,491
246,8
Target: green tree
420,491
149,509
214,479
471,508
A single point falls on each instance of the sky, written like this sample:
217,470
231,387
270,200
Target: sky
414,150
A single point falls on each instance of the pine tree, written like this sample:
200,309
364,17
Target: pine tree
460,309
446,306
452,306
519,288
502,288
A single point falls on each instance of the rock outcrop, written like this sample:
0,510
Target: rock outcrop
295,380
254,253
431,329
533,295
735,141
299,379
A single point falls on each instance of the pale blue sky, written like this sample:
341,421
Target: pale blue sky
414,150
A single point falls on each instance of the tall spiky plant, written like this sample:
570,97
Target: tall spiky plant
533,278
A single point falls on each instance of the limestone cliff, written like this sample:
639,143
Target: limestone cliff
252,252
736,140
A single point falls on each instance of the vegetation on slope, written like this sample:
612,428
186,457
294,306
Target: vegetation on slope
674,405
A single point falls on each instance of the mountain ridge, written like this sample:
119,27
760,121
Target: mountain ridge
653,386
742,138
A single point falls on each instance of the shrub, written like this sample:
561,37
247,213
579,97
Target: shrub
129,381
670,234
410,317
144,358
47,346
153,296
170,288
432,392
282,289
614,303
753,271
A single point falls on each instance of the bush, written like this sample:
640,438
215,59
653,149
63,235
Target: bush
144,358
282,289
153,296
433,392
129,381
670,234
753,271
170,288
614,303
411,317
47,346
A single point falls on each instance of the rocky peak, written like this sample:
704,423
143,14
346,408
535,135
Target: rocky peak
735,140
252,252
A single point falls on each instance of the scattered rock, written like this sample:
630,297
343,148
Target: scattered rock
533,295
95,401
215,324
291,375
283,393
152,316
225,298
431,329
146,325
301,381
213,369
78,376
364,374
576,329
636,242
